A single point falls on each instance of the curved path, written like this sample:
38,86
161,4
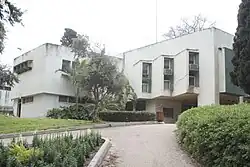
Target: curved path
146,146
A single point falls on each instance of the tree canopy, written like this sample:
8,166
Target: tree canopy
240,75
96,75
9,14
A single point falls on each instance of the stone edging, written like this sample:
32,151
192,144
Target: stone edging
94,126
100,155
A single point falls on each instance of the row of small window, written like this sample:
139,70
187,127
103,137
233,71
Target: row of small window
167,84
193,58
67,99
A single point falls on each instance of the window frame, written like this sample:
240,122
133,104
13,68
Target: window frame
169,82
147,87
27,99
169,63
194,78
194,59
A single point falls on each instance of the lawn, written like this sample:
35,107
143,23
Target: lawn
13,124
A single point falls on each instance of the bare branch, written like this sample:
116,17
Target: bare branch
187,26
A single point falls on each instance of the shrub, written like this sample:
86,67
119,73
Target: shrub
55,151
126,116
217,135
71,112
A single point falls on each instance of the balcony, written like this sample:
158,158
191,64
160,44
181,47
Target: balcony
193,67
168,71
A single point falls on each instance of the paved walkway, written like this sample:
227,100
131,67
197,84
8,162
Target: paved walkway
146,146
143,146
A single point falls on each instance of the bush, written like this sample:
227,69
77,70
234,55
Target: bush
55,151
217,135
126,116
71,112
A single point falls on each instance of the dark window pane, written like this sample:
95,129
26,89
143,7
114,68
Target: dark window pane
63,99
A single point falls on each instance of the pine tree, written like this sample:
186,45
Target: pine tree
240,76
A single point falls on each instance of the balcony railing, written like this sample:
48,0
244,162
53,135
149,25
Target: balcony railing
168,71
193,67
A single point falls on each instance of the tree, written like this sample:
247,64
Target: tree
78,43
9,14
103,83
240,76
198,23
7,77
68,37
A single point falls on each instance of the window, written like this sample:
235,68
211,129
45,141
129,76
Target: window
146,69
27,99
193,56
67,99
65,65
23,67
63,99
191,80
145,87
166,84
167,63
168,112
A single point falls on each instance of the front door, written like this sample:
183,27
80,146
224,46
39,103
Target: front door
19,106
168,115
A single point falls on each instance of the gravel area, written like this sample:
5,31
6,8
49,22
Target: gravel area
145,146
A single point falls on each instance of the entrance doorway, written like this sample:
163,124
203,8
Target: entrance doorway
168,115
19,106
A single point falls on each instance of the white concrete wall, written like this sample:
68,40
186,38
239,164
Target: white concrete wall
55,82
31,82
40,105
158,77
181,73
222,39
202,41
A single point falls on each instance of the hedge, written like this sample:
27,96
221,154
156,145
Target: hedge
216,135
57,151
127,116
71,112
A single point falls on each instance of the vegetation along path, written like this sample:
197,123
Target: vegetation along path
144,145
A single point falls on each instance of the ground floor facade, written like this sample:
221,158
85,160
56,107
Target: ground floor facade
34,106
173,107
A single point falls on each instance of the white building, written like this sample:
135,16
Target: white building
5,100
42,86
191,70
168,76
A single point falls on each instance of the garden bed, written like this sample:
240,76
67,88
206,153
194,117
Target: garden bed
54,151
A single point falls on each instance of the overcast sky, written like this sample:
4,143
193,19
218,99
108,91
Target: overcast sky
119,24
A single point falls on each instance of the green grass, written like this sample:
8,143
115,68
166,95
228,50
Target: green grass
13,124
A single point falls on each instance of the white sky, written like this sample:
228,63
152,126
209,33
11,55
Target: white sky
119,24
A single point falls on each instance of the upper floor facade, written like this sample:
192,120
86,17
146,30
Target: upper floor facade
40,71
197,63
